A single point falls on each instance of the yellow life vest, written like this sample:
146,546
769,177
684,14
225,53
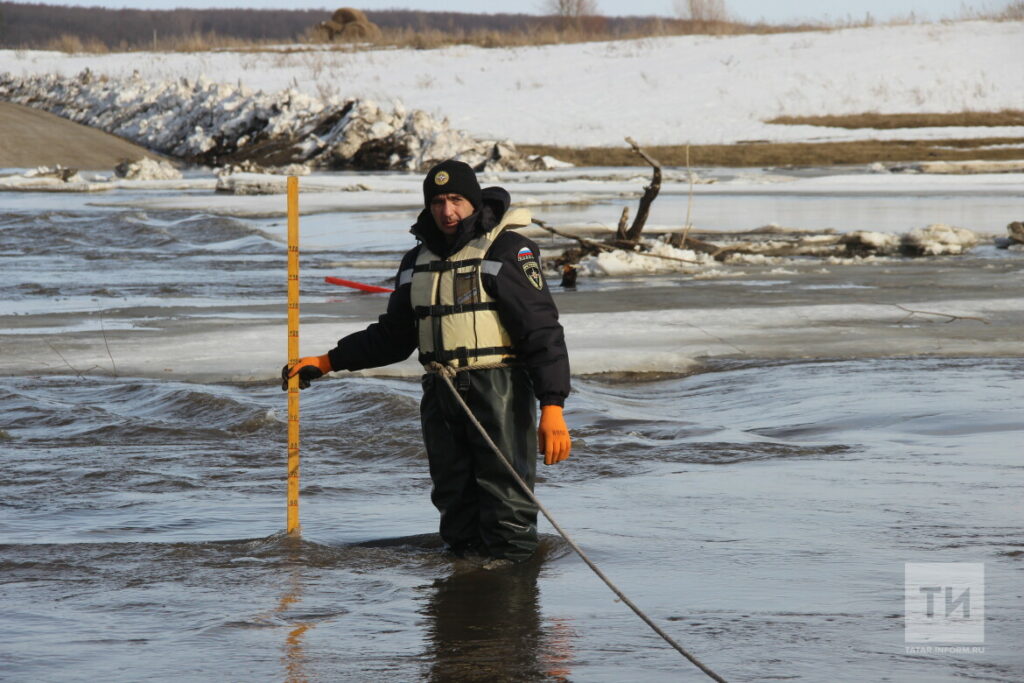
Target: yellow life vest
457,321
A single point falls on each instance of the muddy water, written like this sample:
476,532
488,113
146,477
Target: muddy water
761,507
763,513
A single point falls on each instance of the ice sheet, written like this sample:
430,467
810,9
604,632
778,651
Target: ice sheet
615,342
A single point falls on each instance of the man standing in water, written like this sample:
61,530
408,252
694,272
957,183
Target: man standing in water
471,297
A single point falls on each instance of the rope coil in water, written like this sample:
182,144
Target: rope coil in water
446,373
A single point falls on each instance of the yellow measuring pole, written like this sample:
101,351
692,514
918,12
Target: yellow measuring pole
293,355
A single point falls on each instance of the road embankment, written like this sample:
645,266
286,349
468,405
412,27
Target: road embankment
32,137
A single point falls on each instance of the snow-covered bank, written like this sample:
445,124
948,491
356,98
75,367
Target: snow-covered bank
696,89
213,123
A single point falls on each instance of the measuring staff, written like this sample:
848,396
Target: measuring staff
471,297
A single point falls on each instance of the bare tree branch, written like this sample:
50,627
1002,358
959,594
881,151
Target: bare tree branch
620,234
104,333
911,312
602,246
54,348
571,12
701,10
650,193
689,199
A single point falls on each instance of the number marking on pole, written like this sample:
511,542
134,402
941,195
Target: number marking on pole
292,521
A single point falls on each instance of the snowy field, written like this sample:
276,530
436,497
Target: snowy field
673,90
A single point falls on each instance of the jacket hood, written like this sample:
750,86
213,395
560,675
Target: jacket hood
492,209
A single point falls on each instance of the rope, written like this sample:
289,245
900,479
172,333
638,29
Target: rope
446,373
446,369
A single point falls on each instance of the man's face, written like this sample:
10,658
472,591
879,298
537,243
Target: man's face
448,210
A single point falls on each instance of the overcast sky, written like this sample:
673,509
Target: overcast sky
750,10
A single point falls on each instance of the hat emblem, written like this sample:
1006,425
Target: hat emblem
441,178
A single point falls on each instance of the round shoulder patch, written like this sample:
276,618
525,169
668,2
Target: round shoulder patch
441,178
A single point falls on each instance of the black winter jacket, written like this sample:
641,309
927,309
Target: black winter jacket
529,314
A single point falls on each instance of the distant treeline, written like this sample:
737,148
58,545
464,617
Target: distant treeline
36,25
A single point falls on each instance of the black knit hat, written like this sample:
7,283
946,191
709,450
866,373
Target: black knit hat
452,177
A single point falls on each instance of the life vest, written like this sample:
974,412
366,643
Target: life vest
457,321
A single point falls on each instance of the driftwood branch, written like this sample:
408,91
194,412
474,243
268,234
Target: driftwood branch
667,258
584,242
80,374
602,246
911,312
650,193
620,234
689,200
103,331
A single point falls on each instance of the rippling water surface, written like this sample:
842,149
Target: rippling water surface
762,512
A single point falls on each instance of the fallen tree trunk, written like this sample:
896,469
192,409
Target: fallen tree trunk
650,194
589,246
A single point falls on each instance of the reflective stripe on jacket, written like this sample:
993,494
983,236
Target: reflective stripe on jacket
457,320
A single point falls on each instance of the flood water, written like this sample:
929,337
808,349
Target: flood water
763,514
761,509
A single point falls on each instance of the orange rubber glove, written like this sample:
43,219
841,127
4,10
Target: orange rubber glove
308,369
553,435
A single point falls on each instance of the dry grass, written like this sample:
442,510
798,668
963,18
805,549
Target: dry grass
543,33
791,153
551,35
75,45
1007,117
191,42
203,42
1011,11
